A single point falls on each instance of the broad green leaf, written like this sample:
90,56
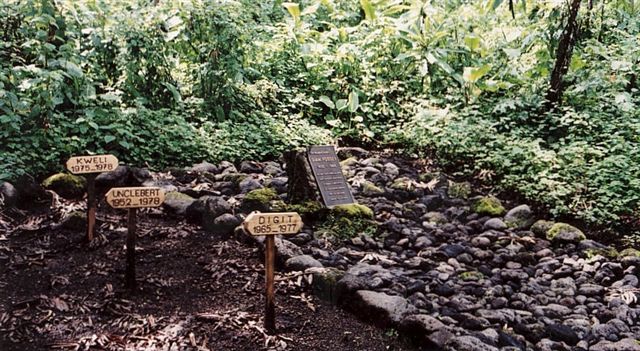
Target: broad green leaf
512,53
369,10
333,122
327,101
94,125
472,41
310,9
71,68
473,74
109,138
293,9
354,102
341,104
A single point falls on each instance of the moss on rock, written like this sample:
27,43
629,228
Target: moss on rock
68,186
541,227
565,232
370,189
488,205
177,196
459,190
263,195
630,252
234,177
608,252
307,208
352,211
402,183
471,276
350,162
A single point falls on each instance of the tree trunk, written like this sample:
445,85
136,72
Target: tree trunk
301,184
563,56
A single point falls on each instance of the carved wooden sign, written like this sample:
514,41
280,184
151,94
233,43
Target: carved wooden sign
92,164
328,173
135,197
273,223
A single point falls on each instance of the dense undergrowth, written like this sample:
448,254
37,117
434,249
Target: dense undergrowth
170,83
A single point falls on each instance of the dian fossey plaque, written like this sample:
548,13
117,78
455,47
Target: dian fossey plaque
328,173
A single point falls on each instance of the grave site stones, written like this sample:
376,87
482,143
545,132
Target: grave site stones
91,166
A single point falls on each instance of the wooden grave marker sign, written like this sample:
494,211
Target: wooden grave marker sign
133,198
91,166
327,172
269,225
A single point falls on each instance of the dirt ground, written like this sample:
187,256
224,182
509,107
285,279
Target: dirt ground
195,292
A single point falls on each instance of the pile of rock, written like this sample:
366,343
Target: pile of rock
451,268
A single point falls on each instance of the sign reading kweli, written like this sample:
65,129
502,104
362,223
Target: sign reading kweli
92,164
328,173
135,197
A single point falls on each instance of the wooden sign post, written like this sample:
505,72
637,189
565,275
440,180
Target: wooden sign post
91,166
271,224
132,199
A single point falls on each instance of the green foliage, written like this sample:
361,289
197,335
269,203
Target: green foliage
171,83
263,196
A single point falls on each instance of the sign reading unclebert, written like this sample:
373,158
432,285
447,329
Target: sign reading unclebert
132,199
135,197
92,164
328,173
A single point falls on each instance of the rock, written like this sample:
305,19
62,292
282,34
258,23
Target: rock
139,175
559,332
370,189
590,290
467,343
325,283
495,224
347,152
279,184
435,218
386,309
68,186
222,225
273,169
459,190
210,206
116,178
8,195
391,170
565,233
250,167
519,217
286,249
248,184
627,344
452,250
226,167
205,167
75,221
541,227
301,263
488,205
177,202
259,200
432,202
28,189
420,324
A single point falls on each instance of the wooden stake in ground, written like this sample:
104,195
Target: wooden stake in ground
271,224
132,199
91,166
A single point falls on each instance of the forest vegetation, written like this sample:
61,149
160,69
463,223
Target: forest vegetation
537,96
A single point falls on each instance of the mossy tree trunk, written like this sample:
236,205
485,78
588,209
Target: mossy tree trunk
302,186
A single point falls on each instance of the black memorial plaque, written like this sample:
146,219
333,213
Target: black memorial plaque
328,173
